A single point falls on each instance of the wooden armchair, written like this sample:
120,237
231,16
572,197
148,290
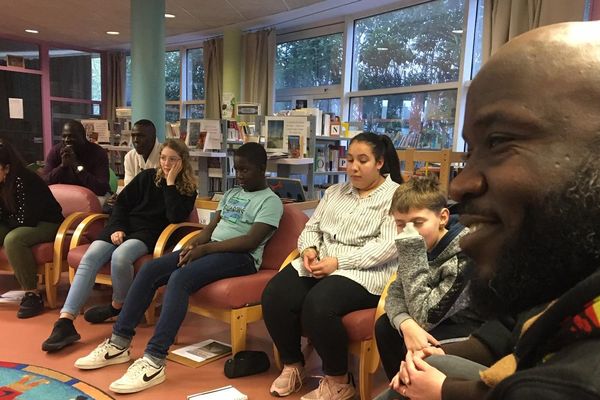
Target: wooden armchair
237,300
91,227
77,202
360,326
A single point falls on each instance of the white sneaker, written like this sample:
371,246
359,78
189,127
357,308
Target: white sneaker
105,354
142,374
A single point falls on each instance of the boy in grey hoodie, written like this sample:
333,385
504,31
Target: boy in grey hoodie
428,300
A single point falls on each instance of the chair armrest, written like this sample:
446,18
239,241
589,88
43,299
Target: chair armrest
169,232
187,239
65,232
380,306
291,257
84,226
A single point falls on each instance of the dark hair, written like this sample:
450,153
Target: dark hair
9,156
383,149
254,153
146,123
419,193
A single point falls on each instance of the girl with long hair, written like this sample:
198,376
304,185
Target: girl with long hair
155,198
347,256
29,214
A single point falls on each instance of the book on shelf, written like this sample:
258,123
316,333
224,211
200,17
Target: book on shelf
201,353
223,393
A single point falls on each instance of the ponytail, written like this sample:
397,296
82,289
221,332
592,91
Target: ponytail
383,148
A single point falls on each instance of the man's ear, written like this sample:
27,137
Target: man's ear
444,217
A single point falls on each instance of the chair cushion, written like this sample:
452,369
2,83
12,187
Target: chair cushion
285,238
359,324
232,293
76,254
43,253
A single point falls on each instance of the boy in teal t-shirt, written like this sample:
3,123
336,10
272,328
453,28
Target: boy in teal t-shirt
231,245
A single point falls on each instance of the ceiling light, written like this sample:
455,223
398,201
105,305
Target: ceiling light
169,15
112,33
31,31
382,48
457,31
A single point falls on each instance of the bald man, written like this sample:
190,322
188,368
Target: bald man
76,161
530,193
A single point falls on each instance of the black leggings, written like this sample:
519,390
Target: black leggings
293,305
390,342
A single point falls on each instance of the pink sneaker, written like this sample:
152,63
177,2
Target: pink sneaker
288,382
330,390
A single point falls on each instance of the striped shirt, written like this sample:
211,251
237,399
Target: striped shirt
359,232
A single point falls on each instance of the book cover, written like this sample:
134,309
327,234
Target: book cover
201,353
224,393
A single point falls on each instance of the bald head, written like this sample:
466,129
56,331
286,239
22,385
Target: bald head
547,76
532,126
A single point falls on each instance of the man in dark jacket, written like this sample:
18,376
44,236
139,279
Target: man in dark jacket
531,195
76,161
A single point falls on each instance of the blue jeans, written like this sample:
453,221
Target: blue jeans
181,283
121,271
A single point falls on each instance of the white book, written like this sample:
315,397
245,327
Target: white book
224,393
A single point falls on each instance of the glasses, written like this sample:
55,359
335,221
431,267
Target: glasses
169,159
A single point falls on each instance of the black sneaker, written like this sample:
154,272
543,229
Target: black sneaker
31,305
98,314
63,334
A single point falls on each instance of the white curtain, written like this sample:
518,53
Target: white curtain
258,52
213,73
505,19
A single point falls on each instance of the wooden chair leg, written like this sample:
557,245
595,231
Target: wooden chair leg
364,378
50,285
239,326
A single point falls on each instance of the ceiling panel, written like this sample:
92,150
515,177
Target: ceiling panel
83,23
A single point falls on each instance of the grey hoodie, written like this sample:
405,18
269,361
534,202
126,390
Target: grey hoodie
431,287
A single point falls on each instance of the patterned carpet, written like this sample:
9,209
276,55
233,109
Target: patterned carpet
29,382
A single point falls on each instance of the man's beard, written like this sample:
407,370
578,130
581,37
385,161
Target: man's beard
557,247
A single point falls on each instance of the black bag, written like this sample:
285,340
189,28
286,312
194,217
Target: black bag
245,363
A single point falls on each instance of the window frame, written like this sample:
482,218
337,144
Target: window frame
312,92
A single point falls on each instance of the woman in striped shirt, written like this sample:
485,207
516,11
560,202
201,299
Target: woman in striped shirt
347,255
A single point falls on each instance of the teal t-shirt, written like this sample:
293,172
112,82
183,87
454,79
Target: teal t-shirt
240,209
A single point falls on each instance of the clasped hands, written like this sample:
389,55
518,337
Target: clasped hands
318,268
191,252
418,380
68,157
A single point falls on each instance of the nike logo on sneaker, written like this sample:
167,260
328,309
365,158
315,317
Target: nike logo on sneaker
148,378
109,357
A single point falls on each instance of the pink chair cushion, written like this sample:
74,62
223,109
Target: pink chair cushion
285,239
242,291
73,198
359,324
232,293
75,255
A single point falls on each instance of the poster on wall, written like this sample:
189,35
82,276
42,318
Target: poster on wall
96,130
15,108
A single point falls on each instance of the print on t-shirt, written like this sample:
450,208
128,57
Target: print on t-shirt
234,209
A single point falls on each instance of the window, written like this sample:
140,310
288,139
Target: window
75,75
309,62
195,92
75,87
405,73
420,120
28,53
310,69
187,96
172,75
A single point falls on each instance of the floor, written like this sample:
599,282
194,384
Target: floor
20,341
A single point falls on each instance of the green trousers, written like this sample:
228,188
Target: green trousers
17,244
